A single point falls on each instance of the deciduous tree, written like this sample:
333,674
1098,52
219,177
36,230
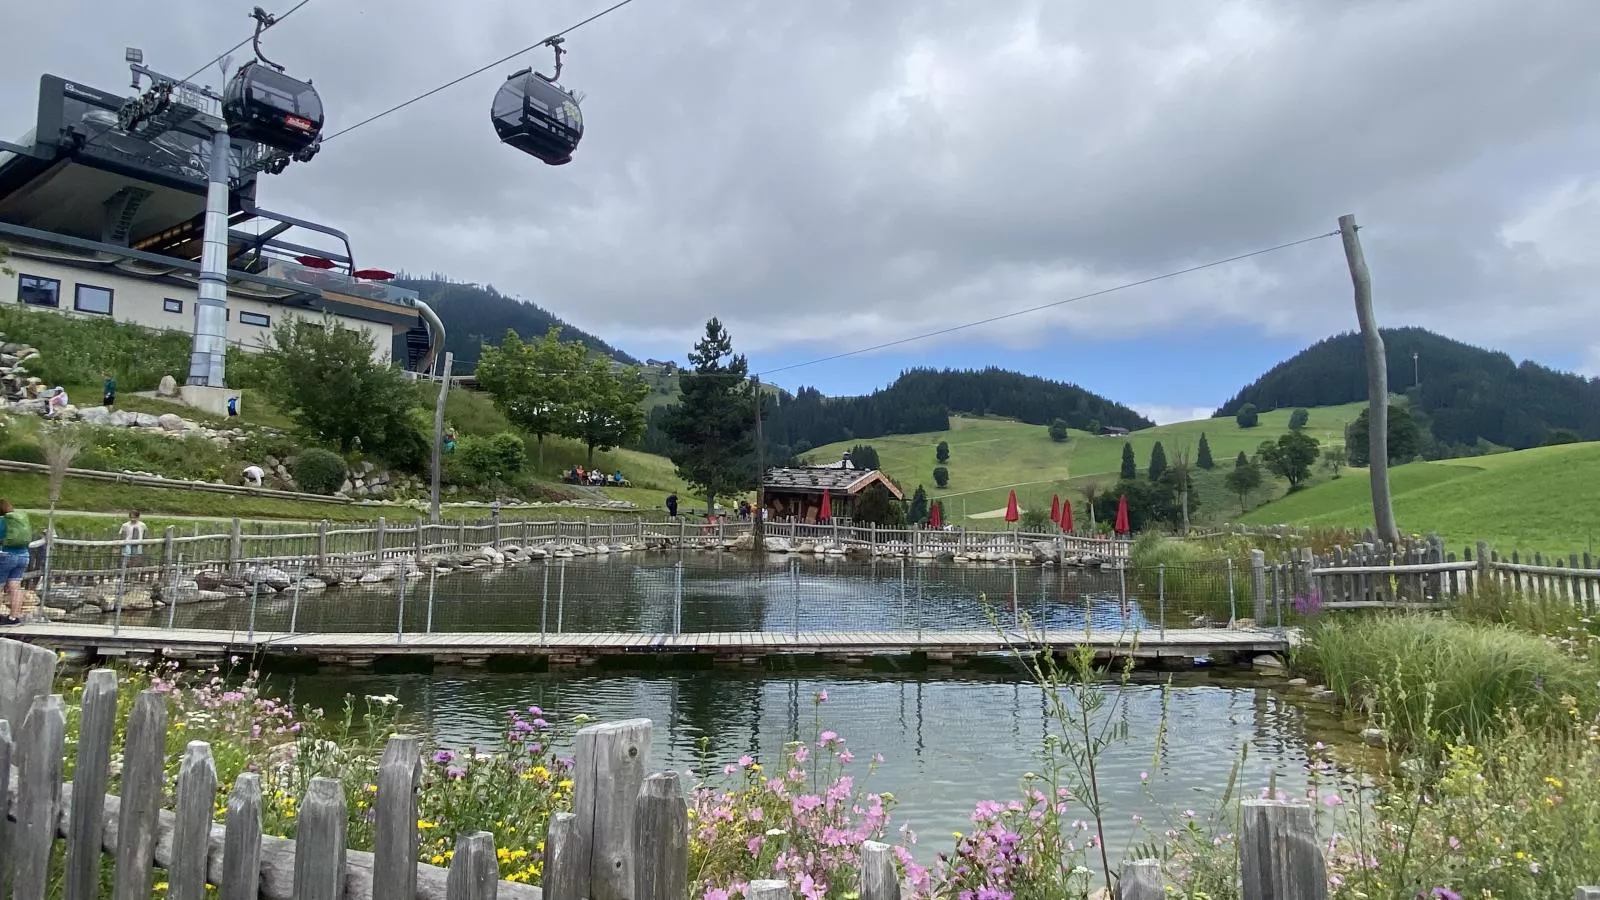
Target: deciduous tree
941,453
536,384
1244,480
1290,457
605,406
1058,431
1248,417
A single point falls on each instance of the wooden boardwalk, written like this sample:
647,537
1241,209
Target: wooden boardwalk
104,640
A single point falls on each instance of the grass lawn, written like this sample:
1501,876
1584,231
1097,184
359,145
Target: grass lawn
1545,499
990,457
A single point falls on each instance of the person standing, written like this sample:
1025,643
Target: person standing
672,506
15,533
132,534
111,391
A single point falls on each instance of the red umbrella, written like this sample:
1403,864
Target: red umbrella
935,517
826,512
1011,508
1055,507
373,274
1121,526
1066,515
314,262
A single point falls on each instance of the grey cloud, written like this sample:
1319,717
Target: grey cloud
852,172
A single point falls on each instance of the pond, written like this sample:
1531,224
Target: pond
947,741
727,592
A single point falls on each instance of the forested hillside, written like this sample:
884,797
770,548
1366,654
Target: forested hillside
1467,393
922,400
474,315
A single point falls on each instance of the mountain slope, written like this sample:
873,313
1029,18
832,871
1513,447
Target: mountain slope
474,315
1468,393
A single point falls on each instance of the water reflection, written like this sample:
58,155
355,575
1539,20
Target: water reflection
947,742
722,592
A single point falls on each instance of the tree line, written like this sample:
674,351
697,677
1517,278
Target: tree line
1465,397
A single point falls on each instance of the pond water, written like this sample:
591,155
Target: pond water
947,741
728,592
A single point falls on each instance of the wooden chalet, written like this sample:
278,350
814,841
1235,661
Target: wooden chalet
795,493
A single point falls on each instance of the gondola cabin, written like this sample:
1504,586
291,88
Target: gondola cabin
535,115
272,109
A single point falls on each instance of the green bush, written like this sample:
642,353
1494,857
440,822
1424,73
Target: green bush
509,452
941,476
318,471
482,460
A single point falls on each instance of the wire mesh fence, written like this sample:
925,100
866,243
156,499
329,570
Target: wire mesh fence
362,590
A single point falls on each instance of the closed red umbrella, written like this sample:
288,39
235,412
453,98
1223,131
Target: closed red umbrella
935,516
1066,515
1011,508
1055,507
826,512
1121,526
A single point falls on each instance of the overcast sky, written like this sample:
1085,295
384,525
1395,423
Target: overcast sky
830,175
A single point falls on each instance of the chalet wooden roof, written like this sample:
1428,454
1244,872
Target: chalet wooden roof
814,480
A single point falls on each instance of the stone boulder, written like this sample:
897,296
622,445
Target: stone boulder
168,386
99,415
172,422
277,579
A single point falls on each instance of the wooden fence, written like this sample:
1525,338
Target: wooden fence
1425,574
627,837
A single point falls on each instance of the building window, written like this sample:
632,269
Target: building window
91,299
36,291
171,305
250,318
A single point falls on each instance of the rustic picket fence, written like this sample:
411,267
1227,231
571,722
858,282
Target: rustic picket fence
1423,574
626,839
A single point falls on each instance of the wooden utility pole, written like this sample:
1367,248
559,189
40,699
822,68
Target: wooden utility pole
1377,383
438,439
758,525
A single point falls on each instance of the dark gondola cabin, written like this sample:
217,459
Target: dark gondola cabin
272,109
534,115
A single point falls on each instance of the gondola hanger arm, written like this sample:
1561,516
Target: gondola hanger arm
264,20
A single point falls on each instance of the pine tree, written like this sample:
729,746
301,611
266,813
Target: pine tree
1158,461
712,429
919,507
1242,461
1202,456
1130,466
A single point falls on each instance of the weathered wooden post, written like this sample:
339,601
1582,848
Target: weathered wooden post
1258,583
394,839
1587,893
319,847
1280,857
40,751
609,769
89,781
560,858
879,880
1141,880
660,840
474,870
767,889
241,841
379,536
235,546
322,546
191,827
138,819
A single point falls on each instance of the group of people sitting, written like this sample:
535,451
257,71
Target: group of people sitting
594,477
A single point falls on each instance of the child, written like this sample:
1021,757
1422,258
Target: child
15,533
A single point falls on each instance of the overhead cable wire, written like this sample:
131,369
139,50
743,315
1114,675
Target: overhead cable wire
475,72
1054,303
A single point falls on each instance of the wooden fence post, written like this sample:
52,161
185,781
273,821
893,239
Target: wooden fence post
1258,584
241,841
394,840
560,862
767,889
879,880
379,536
235,546
144,755
322,546
1141,880
90,778
474,871
660,840
191,826
26,672
1587,893
41,751
319,848
1280,857
608,772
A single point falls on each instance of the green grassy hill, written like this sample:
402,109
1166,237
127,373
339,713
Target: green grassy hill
990,457
1545,499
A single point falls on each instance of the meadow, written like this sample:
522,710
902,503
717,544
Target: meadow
990,457
1546,499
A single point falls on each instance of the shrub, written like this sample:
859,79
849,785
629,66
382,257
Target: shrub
1058,431
1248,417
318,471
509,452
941,476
